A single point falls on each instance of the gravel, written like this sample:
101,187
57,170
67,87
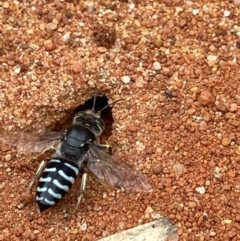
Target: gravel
174,62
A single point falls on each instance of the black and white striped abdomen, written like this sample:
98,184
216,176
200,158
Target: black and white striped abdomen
57,178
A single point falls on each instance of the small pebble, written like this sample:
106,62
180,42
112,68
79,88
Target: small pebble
206,98
173,237
5,4
182,23
8,157
58,16
83,226
232,233
77,68
156,65
117,60
233,107
194,89
238,151
42,26
158,42
102,50
200,190
180,231
191,111
50,46
238,217
211,59
227,221
195,11
226,13
126,79
149,209
30,31
178,168
27,197
65,19
212,233
132,128
66,37
221,107
51,26
74,231
203,126
226,141
206,117
157,169
212,163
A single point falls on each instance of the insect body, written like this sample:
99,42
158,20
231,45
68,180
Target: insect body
56,180
77,146
63,168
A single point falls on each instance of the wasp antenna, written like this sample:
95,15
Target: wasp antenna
111,104
94,102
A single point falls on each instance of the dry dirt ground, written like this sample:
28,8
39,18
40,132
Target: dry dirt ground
175,64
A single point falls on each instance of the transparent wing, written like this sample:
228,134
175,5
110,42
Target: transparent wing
31,142
116,172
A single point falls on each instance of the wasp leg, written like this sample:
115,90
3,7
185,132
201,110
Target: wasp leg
37,174
104,147
53,148
82,188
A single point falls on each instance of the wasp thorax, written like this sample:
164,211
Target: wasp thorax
91,120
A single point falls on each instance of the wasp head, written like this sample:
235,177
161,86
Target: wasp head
91,120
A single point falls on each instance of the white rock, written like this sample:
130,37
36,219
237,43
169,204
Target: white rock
5,4
126,79
226,13
200,190
212,58
83,226
51,26
117,60
157,66
17,70
66,37
195,11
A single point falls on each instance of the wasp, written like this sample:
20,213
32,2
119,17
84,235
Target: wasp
76,146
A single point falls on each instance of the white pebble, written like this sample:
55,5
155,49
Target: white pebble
200,190
17,70
117,60
212,58
8,157
195,11
51,26
83,226
126,79
226,13
157,66
66,37
5,4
